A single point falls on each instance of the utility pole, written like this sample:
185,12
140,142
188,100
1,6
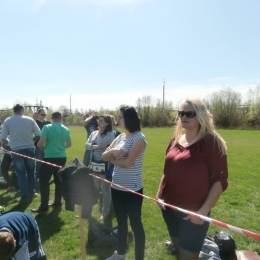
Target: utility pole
70,103
163,91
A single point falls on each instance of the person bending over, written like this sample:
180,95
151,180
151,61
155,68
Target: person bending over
20,237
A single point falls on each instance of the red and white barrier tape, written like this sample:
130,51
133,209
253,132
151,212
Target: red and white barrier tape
210,220
6,151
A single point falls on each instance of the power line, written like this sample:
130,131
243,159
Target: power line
164,82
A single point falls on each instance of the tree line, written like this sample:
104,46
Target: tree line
226,106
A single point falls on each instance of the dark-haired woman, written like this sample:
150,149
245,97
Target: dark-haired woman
126,153
98,142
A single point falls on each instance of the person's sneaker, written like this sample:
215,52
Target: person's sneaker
102,217
35,195
20,200
55,205
39,210
107,221
10,189
170,246
116,256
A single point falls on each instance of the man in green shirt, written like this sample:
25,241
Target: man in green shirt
55,138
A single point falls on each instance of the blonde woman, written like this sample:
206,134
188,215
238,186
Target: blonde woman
195,175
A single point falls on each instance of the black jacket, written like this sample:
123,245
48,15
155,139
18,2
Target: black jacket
77,187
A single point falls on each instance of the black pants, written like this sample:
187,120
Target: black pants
128,204
46,172
5,165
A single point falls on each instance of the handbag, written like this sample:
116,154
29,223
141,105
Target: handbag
98,167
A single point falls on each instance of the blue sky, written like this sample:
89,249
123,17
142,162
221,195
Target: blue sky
111,52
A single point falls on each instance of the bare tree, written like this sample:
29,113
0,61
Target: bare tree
253,95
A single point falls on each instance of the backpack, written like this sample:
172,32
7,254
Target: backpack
209,250
110,170
116,133
99,235
225,242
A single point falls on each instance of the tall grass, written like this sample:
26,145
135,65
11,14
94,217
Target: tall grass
239,205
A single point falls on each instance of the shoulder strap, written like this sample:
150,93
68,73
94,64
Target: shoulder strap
94,137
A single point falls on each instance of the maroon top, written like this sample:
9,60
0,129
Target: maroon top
190,173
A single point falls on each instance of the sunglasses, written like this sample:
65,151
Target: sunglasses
43,114
189,114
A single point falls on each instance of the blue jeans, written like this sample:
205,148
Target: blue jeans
39,154
191,236
24,168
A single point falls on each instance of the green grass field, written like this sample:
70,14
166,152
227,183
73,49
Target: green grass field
238,206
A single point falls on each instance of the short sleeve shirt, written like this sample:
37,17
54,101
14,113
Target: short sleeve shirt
56,135
190,172
130,177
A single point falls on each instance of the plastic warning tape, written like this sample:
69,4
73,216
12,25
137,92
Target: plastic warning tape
11,152
205,218
210,220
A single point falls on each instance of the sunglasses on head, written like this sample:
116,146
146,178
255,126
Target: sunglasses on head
43,114
189,114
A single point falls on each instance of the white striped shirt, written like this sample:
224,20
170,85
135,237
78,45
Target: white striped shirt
130,177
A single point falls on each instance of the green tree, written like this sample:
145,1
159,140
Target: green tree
224,105
254,114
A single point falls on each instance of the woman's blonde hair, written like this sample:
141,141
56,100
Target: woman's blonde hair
206,124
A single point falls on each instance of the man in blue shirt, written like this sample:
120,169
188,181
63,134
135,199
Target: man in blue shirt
20,237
